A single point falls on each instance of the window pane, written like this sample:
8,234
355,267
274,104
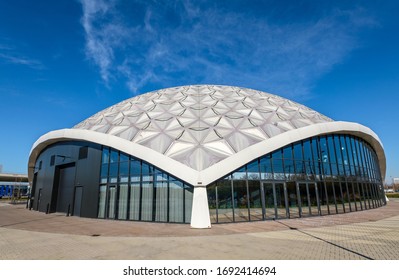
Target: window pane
146,202
113,172
188,202
101,201
104,173
123,157
266,168
253,170
135,170
161,202
122,202
269,201
338,197
211,193
240,200
240,174
175,201
314,204
278,170
225,211
134,209
289,169
338,153
147,171
105,155
322,195
124,172
305,211
293,206
111,202
255,200
280,199
114,156
331,198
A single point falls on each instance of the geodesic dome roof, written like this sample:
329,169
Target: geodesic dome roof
201,125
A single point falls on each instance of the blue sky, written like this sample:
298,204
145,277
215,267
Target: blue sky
62,61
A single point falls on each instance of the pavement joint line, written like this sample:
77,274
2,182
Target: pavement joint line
326,241
26,222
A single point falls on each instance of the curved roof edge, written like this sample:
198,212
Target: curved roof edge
262,148
215,171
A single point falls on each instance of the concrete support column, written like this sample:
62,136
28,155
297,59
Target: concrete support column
200,211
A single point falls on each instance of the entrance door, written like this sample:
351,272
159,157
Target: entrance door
275,200
77,201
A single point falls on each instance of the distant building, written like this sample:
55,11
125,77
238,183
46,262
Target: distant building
207,154
13,185
395,184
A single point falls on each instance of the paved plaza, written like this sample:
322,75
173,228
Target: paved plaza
371,234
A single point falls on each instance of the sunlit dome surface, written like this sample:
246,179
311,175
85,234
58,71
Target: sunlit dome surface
201,125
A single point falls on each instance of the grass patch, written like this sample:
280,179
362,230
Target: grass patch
392,195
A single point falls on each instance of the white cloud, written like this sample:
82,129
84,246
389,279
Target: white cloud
184,43
20,60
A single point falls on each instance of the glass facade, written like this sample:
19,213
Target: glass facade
131,189
322,175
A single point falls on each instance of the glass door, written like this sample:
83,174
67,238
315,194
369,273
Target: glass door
269,201
275,200
293,202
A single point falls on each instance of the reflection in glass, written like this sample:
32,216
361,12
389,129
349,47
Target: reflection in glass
212,202
270,210
352,196
314,203
293,207
124,172
225,210
338,197
331,198
346,197
253,170
266,168
255,201
113,172
304,196
280,201
240,200
322,196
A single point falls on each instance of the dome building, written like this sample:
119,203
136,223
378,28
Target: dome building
207,154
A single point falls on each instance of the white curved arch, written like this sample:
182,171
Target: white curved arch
218,170
262,148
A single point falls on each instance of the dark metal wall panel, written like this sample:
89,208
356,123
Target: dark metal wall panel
66,187
52,179
87,176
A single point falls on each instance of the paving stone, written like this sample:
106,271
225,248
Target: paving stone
371,234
